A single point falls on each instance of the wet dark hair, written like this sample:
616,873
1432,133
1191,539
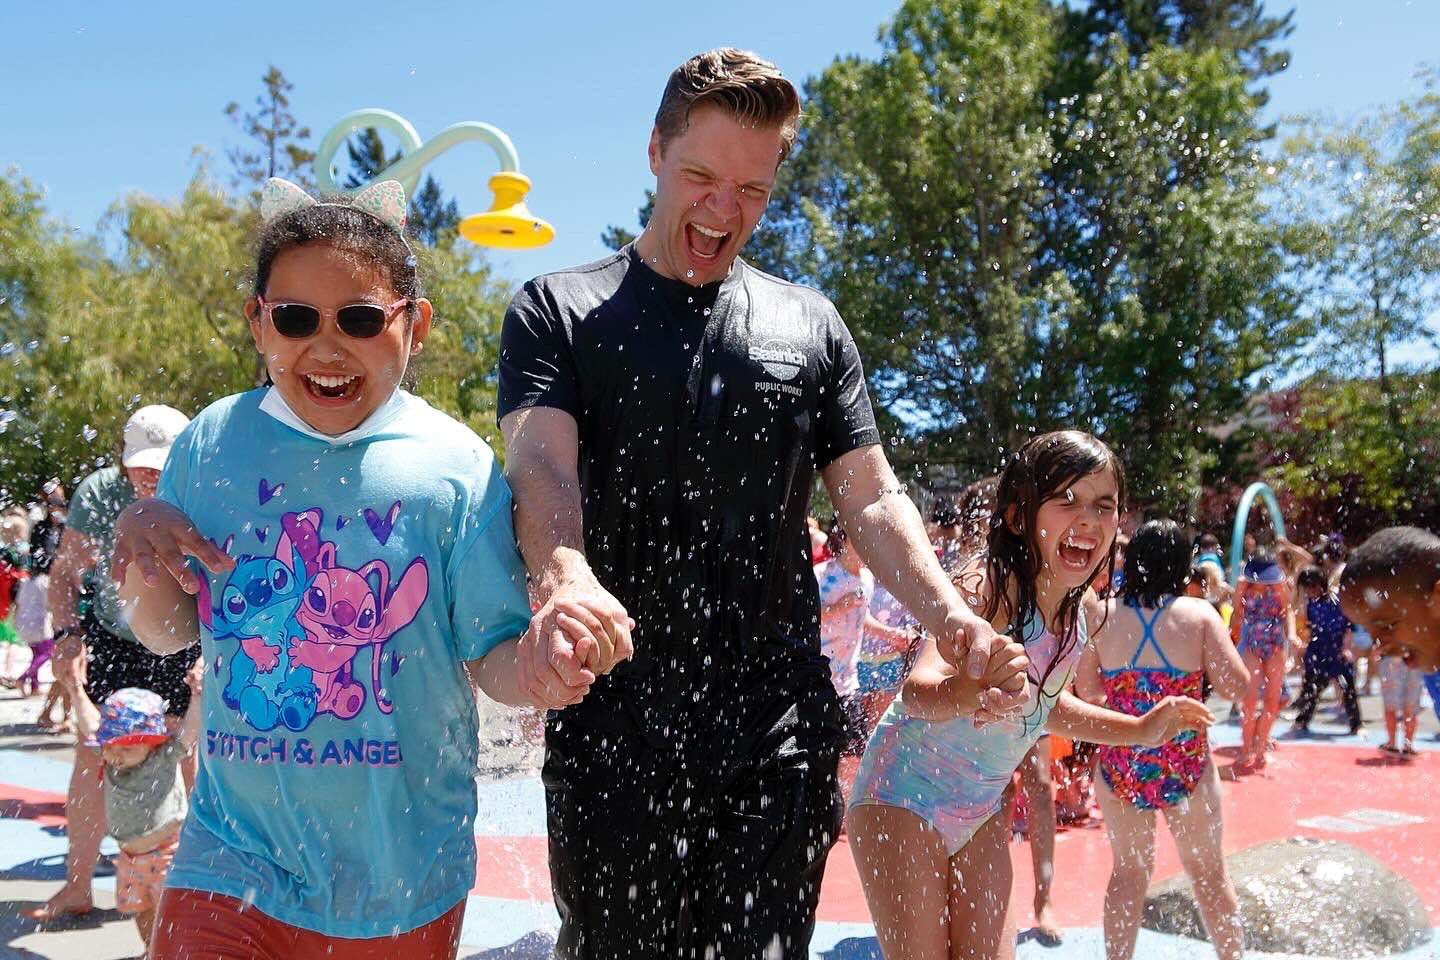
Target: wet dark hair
1207,543
945,510
1043,469
1157,563
976,506
337,223
1313,576
1405,554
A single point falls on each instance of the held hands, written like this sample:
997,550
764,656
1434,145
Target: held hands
998,664
1171,717
154,536
580,632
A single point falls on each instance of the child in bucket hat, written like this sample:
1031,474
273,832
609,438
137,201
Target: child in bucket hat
145,796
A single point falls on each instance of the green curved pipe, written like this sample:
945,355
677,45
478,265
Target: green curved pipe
415,153
1237,537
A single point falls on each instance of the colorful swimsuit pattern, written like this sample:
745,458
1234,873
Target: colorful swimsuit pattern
949,773
1153,778
1262,624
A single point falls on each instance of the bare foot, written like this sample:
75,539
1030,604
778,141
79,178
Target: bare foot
62,904
1046,929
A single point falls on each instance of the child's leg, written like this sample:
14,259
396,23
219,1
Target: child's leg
981,925
1040,800
1348,697
1309,697
1391,722
1132,851
1199,835
1247,708
905,873
1274,668
145,923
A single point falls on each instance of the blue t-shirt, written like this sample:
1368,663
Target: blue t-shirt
1325,653
336,788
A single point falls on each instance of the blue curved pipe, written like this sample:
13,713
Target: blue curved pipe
1242,517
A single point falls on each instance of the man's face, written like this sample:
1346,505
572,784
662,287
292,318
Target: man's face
1404,619
712,182
144,480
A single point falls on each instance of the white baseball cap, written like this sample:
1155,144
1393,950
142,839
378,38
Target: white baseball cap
149,433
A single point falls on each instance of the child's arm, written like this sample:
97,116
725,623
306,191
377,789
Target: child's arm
497,675
898,636
1237,612
1074,718
935,690
1089,682
152,541
1223,664
87,715
189,732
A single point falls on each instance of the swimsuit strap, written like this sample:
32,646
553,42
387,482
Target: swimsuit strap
1149,635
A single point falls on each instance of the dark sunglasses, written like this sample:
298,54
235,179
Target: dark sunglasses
296,321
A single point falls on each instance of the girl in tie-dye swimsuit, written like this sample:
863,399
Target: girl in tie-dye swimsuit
1155,645
933,776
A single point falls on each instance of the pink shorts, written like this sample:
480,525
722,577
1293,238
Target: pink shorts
139,877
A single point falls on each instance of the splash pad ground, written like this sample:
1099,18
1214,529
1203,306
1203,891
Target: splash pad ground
1330,786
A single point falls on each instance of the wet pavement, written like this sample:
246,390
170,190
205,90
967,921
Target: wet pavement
1330,785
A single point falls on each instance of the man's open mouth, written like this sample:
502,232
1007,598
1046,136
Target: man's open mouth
705,242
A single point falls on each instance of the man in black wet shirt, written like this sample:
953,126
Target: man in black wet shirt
664,412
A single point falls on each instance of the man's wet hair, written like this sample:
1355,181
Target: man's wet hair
1207,543
1408,556
750,89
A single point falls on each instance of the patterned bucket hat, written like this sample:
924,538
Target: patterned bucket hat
129,717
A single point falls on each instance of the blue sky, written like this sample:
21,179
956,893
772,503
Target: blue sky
101,99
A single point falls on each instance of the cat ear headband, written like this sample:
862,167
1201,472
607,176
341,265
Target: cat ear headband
384,200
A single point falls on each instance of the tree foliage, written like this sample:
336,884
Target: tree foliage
275,147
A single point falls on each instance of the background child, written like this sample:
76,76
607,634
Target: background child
14,567
1400,694
1391,587
374,581
1158,645
933,779
145,800
1328,655
1263,628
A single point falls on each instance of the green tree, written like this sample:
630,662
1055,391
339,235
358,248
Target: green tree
431,215
1351,459
1361,208
276,147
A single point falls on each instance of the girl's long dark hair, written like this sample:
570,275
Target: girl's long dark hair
1044,468
1157,563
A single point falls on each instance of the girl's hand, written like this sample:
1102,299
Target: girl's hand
1004,688
153,534
195,676
1171,717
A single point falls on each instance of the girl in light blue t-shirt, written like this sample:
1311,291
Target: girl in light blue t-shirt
354,569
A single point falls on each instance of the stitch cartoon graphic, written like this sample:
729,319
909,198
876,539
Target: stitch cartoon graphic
343,610
256,608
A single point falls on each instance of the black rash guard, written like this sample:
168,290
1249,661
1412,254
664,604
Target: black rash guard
703,414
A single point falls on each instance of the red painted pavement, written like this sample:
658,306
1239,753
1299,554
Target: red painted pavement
1300,782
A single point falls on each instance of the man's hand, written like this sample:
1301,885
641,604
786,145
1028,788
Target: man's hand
1004,686
155,535
580,632
972,646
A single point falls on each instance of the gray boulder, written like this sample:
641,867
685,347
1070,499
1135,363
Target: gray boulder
1307,897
